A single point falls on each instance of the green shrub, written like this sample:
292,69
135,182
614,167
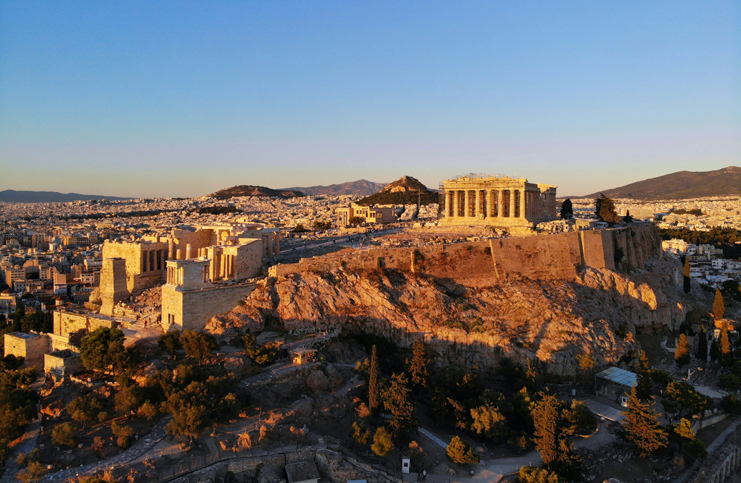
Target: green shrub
729,382
695,449
64,435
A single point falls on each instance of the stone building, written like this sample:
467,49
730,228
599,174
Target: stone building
501,202
236,251
190,297
368,214
32,347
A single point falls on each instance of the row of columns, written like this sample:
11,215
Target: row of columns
153,260
729,467
223,266
501,203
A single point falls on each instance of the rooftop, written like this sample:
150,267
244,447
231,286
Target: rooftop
618,376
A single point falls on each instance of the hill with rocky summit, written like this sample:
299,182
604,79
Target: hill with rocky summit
12,196
249,190
361,187
544,318
681,185
404,191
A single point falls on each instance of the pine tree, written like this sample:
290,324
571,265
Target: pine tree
418,364
550,438
460,452
684,429
702,345
687,285
382,442
567,209
605,209
682,353
726,352
641,427
373,400
643,377
719,308
396,401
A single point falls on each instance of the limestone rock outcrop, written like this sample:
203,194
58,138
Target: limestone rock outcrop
547,321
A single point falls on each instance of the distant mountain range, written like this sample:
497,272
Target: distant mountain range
12,196
243,190
361,187
681,185
404,191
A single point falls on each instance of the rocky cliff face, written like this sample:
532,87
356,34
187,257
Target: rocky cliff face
548,321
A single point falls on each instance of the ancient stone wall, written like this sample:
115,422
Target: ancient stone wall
192,309
556,256
113,287
63,363
66,323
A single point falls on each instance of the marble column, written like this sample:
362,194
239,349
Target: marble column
477,208
500,203
449,204
466,201
455,203
522,213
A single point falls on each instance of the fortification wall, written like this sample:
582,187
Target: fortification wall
66,323
556,256
192,309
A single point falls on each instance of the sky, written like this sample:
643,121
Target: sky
165,99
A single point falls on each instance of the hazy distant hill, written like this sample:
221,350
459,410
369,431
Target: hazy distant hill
243,190
12,196
404,191
681,185
361,187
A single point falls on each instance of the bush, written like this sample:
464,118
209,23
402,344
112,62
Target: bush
382,445
660,377
460,452
695,449
531,474
147,411
729,382
731,404
360,434
64,435
123,433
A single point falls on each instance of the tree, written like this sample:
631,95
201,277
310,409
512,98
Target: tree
684,429
197,345
355,220
147,411
686,396
702,345
418,364
719,308
714,350
628,218
643,378
695,449
360,433
64,435
687,284
128,399
382,445
299,229
123,434
396,400
461,452
488,421
94,350
550,437
682,353
567,210
84,408
605,209
641,427
373,399
532,474
170,342
726,352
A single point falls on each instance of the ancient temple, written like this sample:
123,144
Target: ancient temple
501,202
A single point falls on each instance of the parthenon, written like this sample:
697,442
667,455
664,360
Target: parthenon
500,202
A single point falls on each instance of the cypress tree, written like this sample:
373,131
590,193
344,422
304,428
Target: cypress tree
396,401
643,379
641,427
418,364
682,354
687,285
719,307
550,438
373,401
714,350
702,345
726,352
567,209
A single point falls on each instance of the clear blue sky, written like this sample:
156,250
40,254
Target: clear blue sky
185,98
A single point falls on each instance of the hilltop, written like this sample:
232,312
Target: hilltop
12,196
248,190
681,185
404,191
361,187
